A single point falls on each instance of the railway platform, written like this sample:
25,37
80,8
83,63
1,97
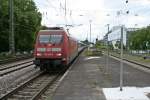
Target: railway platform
88,77
81,82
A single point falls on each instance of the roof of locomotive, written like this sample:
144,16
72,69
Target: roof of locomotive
56,29
53,29
44,31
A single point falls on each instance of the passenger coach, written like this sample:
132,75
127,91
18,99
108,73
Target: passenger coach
54,49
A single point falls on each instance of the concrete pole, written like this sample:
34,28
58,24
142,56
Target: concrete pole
90,37
107,58
11,26
65,7
121,61
90,30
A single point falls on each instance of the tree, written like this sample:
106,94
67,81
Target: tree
4,26
100,44
140,39
27,21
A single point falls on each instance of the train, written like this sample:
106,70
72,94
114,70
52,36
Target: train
55,49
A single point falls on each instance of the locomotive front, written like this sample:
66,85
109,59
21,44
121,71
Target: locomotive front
49,49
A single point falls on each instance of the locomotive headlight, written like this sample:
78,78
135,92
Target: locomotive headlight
39,54
58,54
64,59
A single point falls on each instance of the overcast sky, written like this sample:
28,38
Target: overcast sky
101,12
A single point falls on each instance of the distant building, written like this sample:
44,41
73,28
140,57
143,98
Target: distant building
132,29
114,36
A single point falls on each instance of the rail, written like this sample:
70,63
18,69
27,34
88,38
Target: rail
17,58
9,69
137,63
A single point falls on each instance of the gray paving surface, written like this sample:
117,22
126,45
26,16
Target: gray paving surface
81,83
88,76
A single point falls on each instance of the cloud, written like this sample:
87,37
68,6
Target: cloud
141,2
81,11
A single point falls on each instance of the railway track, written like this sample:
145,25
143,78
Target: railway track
4,70
18,58
32,89
145,66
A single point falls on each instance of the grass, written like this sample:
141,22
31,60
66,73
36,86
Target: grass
133,58
2,57
88,53
93,53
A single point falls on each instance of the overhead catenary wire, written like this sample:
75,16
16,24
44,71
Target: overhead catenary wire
52,6
49,5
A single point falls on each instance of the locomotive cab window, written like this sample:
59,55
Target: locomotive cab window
53,39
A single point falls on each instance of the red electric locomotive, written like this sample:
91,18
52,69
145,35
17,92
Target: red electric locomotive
54,48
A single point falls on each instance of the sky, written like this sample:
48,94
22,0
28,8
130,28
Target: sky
79,13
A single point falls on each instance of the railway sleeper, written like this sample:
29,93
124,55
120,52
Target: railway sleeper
20,97
31,90
24,93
